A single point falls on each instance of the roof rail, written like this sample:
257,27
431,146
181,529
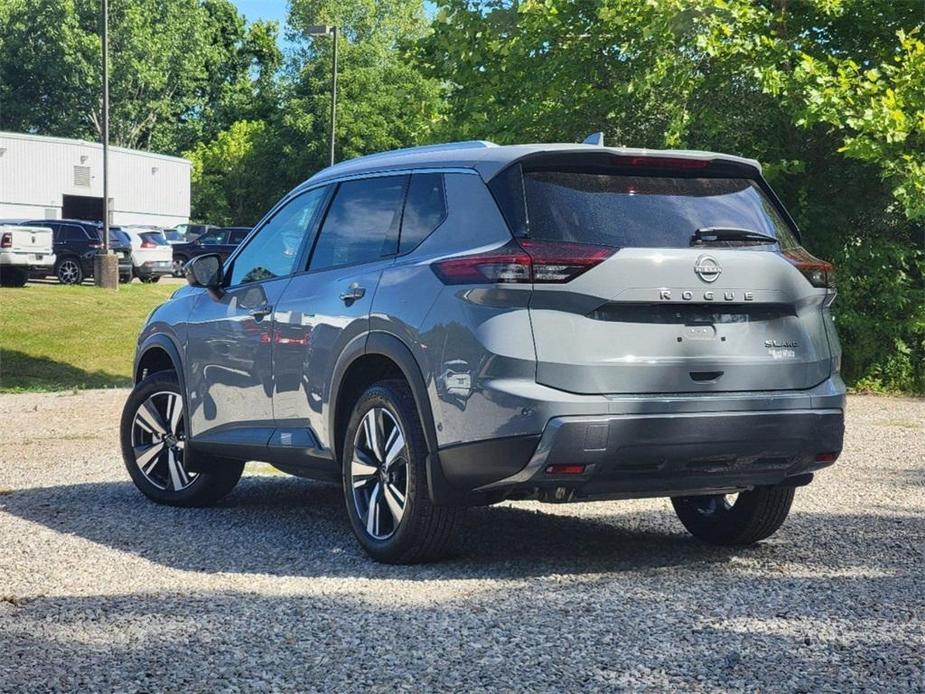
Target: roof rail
467,144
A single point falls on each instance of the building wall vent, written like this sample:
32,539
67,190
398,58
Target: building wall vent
82,176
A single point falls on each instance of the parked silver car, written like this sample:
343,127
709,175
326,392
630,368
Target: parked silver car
455,325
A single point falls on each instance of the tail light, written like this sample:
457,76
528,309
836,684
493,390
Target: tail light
6,240
818,272
146,243
523,262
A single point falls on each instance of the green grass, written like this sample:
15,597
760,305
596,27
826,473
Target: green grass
55,337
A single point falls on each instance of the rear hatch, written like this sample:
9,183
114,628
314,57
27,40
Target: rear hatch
121,245
29,240
688,278
153,248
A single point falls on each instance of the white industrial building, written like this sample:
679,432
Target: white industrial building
55,178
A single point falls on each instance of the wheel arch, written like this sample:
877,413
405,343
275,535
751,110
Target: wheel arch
369,358
158,353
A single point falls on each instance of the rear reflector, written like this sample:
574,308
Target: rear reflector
819,273
6,241
827,457
569,469
522,263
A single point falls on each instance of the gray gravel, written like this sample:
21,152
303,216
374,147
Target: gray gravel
102,590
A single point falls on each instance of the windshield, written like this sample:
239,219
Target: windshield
173,235
645,211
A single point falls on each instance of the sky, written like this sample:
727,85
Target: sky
263,9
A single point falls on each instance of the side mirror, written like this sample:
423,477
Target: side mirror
205,271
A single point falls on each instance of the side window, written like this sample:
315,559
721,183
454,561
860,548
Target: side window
425,210
362,222
74,234
275,249
237,236
212,238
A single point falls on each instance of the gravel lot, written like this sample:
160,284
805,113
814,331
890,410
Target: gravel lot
102,590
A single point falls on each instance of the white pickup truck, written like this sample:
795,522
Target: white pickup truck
22,250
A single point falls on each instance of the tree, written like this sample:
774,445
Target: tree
826,93
229,177
181,70
384,101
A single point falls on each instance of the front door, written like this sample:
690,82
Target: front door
230,339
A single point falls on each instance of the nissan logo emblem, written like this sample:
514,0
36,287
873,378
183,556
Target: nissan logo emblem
707,269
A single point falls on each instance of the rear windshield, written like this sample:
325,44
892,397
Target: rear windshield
623,211
118,236
155,237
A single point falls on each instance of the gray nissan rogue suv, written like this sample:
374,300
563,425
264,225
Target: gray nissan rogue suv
461,324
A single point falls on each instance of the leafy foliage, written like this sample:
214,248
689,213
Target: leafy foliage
828,94
170,88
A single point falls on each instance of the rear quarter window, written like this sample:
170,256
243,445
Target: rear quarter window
425,210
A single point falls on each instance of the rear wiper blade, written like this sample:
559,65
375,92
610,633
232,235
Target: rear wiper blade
713,234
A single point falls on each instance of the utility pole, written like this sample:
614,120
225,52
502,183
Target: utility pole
105,265
333,92
331,31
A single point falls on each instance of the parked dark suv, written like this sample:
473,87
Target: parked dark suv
78,241
457,325
222,241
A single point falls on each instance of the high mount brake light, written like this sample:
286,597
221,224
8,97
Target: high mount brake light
819,273
523,263
660,162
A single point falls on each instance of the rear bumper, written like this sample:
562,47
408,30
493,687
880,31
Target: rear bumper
27,260
152,269
643,455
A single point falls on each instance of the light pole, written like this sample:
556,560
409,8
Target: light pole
105,266
324,30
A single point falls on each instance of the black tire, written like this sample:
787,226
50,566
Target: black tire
68,270
125,279
424,531
166,480
150,280
13,277
754,516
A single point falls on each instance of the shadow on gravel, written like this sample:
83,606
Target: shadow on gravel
542,638
289,527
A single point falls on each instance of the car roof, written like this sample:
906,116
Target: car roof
488,159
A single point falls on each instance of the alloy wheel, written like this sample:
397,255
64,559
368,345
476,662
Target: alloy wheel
178,268
68,272
159,442
379,473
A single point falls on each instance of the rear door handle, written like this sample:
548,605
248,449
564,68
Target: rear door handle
261,312
354,293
